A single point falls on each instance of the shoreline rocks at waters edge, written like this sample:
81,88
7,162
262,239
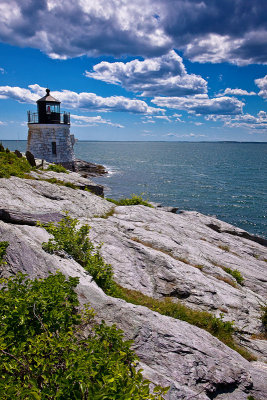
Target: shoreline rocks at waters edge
160,254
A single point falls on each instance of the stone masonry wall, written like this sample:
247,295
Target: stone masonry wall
40,138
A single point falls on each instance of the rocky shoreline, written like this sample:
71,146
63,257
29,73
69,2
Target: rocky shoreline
161,254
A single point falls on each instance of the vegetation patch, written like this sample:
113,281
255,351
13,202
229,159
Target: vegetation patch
226,280
3,247
75,241
132,201
107,214
12,165
45,353
199,266
60,183
224,247
235,274
57,168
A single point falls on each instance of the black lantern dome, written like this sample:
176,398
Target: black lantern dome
48,111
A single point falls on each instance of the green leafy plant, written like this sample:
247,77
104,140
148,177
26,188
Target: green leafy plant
45,353
133,201
3,247
75,241
235,274
57,168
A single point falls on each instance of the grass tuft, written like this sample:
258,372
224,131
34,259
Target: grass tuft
224,247
57,168
133,201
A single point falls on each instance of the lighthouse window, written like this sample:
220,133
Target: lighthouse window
54,148
52,108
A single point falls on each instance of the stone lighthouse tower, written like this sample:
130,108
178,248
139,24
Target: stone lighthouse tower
49,135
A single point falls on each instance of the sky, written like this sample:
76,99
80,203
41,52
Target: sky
165,70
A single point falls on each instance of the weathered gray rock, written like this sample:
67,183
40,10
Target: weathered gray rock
171,352
72,177
18,217
86,168
39,197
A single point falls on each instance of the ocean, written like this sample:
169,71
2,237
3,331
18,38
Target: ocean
223,179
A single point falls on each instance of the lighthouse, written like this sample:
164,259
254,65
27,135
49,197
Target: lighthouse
49,135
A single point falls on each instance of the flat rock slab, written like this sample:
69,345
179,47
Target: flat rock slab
40,197
87,169
72,177
16,217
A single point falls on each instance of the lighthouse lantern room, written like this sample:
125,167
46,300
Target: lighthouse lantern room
49,135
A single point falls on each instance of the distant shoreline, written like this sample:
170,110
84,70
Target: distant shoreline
149,141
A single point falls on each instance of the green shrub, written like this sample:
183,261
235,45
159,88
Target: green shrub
133,201
75,242
3,247
45,353
11,165
57,168
235,274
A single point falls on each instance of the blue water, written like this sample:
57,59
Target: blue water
227,180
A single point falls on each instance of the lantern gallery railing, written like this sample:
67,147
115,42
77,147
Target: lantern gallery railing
52,118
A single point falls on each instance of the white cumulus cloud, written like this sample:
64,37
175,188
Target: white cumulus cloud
82,121
165,75
236,92
201,104
248,121
262,85
84,100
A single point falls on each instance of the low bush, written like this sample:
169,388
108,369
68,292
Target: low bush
45,353
235,274
75,242
133,201
57,168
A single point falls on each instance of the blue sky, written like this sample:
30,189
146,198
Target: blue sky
137,70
